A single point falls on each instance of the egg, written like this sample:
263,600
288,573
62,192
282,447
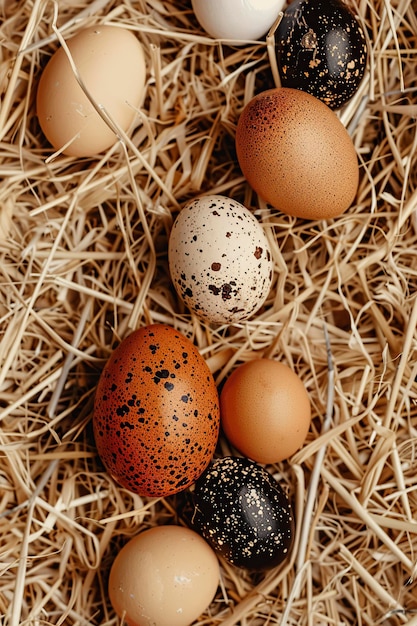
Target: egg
321,49
156,413
265,410
219,259
164,576
110,62
244,514
219,17
296,154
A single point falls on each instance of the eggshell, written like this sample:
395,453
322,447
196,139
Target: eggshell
111,64
244,513
265,410
321,49
219,17
219,259
165,576
296,154
156,413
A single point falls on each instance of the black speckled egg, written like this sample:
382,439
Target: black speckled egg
243,513
321,49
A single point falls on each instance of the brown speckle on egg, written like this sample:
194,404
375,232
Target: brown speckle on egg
156,413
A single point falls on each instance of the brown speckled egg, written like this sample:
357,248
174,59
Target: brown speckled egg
156,413
296,154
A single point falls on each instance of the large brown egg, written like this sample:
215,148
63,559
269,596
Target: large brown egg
296,154
156,413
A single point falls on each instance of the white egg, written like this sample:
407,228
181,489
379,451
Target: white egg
237,19
219,259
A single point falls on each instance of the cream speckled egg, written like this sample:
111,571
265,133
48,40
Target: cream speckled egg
219,259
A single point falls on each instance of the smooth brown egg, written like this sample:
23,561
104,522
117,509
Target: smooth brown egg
296,154
156,413
265,410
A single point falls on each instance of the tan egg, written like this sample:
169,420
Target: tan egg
265,410
111,64
165,576
296,154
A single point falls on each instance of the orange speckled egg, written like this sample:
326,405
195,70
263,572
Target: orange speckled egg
156,413
296,154
265,410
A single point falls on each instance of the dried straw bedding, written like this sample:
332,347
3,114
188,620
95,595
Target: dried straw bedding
83,261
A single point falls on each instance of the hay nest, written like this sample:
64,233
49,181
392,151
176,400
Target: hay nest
83,261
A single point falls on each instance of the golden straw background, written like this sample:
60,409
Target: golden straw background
83,247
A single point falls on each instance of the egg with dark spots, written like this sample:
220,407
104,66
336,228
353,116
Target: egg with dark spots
243,513
296,154
220,259
321,48
156,412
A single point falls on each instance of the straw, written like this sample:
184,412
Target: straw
83,261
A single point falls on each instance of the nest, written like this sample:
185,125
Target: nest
83,261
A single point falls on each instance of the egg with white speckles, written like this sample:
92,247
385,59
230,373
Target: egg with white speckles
321,49
220,260
156,413
243,513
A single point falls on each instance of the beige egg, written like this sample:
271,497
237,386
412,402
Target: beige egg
296,154
164,576
265,410
110,62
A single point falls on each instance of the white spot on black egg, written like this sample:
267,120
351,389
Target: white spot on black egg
243,512
321,49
